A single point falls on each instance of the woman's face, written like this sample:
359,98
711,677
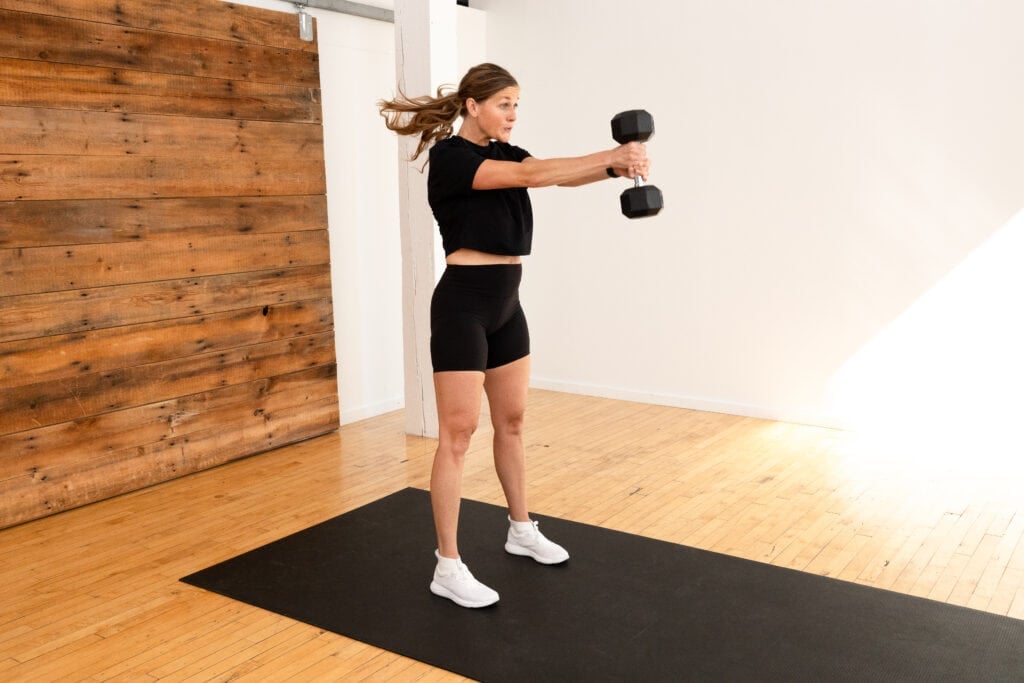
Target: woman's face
496,115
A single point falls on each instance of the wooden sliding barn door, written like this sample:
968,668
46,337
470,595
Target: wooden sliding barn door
165,295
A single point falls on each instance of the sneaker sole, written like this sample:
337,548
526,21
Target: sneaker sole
438,589
526,552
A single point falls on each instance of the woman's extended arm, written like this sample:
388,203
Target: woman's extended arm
628,160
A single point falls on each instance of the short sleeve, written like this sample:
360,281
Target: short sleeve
518,153
452,168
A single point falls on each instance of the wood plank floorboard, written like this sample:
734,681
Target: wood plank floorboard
93,594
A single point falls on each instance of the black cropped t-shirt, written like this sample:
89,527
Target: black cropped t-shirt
494,221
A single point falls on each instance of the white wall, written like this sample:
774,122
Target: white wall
828,168
843,220
357,68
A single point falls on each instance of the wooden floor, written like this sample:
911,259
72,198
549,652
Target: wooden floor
93,594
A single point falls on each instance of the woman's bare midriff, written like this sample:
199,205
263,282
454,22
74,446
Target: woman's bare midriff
471,257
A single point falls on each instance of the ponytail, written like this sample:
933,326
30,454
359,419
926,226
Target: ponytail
432,118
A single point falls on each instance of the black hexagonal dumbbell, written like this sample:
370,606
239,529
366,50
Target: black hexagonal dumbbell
640,200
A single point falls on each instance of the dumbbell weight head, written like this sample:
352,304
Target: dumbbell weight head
635,125
640,201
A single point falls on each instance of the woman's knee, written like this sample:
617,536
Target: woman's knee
456,435
509,423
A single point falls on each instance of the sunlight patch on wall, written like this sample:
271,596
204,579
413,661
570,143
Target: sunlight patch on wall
942,387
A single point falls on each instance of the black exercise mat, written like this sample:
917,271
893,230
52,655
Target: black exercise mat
624,608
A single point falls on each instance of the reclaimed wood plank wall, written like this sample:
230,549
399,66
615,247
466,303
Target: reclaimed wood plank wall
165,294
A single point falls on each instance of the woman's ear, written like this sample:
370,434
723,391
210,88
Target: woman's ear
472,107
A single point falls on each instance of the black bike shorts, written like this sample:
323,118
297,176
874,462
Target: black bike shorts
476,321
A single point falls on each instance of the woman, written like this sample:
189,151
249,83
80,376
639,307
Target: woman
477,189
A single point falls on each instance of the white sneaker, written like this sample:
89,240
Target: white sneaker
453,580
530,542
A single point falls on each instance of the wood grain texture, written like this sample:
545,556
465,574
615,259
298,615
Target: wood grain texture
59,400
51,269
62,222
118,452
37,130
32,315
64,357
221,21
95,593
41,176
45,37
30,83
165,296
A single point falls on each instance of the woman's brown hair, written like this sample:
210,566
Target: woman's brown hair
432,117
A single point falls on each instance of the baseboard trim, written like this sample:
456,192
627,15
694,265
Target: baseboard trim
687,402
356,414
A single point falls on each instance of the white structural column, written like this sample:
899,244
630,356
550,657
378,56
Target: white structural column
425,57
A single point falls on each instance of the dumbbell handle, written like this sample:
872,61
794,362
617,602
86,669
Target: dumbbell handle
637,181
